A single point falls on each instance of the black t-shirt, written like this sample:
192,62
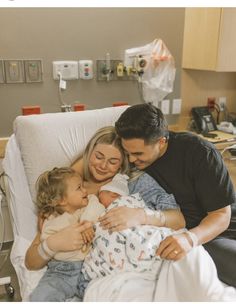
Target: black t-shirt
193,170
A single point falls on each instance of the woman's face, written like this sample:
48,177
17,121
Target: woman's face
105,161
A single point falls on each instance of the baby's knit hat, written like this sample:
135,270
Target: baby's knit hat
119,185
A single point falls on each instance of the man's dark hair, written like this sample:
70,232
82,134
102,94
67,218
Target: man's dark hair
143,121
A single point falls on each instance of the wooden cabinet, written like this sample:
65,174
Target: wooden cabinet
209,39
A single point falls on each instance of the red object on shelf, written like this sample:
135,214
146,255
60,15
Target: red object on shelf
119,103
79,107
29,110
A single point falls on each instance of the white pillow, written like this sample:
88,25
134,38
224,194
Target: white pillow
56,139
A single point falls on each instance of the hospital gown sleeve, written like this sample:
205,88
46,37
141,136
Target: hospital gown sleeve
152,193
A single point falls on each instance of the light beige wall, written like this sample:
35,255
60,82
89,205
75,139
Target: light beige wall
80,33
197,86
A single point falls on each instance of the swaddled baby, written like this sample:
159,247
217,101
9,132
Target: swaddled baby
133,249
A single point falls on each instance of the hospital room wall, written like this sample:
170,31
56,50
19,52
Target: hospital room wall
80,33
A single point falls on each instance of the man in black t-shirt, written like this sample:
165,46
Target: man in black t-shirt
193,170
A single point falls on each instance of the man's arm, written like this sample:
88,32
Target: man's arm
212,225
177,246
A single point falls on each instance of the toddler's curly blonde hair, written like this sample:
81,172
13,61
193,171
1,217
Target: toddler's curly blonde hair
51,189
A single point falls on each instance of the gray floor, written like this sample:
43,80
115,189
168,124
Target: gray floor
8,270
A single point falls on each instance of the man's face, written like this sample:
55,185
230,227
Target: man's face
141,154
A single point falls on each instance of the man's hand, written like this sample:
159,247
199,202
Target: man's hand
174,247
121,218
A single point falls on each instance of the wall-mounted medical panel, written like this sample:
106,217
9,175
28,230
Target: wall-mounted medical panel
114,71
86,69
14,71
33,70
2,76
67,70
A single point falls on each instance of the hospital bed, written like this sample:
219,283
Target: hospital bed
39,143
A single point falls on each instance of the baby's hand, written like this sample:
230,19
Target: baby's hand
88,234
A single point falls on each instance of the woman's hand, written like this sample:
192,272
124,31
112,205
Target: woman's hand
121,218
69,238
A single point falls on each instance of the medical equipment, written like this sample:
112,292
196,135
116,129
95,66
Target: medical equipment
62,86
108,66
67,69
154,67
62,71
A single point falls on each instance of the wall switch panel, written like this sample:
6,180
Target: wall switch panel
68,69
176,106
86,69
165,106
33,70
14,71
2,76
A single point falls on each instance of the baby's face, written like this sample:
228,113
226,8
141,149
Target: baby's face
107,197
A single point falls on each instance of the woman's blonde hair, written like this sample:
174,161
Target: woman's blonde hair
51,189
108,136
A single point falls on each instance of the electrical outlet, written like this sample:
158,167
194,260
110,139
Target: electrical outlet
222,103
176,106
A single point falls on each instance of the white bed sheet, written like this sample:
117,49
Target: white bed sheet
24,219
193,278
39,143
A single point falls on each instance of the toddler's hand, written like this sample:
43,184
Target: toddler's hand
88,234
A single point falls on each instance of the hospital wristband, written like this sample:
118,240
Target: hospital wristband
162,218
193,238
45,252
158,214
